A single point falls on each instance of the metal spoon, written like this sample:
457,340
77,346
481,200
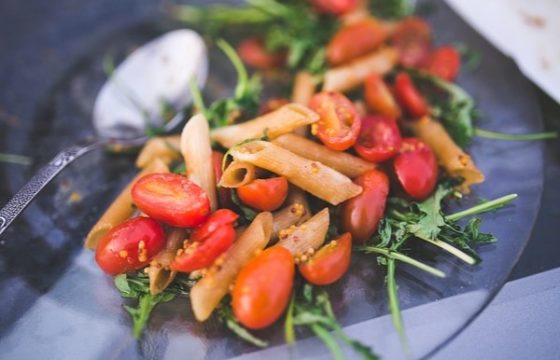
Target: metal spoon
157,73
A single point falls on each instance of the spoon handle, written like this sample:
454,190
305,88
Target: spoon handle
29,191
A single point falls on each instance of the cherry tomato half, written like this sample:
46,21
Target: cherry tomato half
172,199
379,140
409,97
416,168
412,39
379,98
339,122
263,287
264,194
130,245
444,62
208,241
335,7
224,194
355,40
361,214
253,52
329,263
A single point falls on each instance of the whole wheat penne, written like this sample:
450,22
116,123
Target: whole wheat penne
282,121
454,160
311,176
121,208
348,76
237,174
304,88
159,273
295,212
166,148
197,152
209,291
309,235
349,165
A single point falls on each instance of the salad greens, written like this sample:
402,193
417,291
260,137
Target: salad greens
15,159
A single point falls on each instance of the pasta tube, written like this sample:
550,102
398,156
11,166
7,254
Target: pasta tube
296,212
209,291
282,121
304,88
159,273
197,152
237,174
121,208
309,235
166,148
349,165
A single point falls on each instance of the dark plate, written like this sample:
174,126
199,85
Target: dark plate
56,303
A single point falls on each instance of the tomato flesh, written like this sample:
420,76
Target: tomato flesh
445,62
263,287
264,194
412,39
253,53
355,40
409,97
172,199
416,168
130,245
335,7
330,263
379,140
379,98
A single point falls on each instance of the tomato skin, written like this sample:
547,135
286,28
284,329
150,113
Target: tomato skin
330,263
444,62
172,199
263,287
379,140
130,245
409,97
253,52
208,241
339,123
335,7
412,39
273,104
264,194
379,98
355,40
224,194
416,168
361,214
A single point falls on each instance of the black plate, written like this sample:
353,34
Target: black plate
56,303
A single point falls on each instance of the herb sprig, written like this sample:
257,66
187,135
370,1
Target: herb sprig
15,159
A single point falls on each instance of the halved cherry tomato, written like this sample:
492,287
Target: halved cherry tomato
264,194
273,104
355,40
409,97
412,39
361,214
130,245
339,122
208,241
329,263
416,168
172,199
380,138
253,52
335,7
444,62
379,98
224,194
263,287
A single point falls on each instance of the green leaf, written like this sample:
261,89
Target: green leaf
248,213
289,332
122,285
392,9
141,314
429,226
226,315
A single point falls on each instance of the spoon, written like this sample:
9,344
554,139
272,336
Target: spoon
154,75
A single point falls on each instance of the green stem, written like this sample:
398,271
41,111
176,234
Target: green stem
406,259
242,76
197,96
394,305
289,333
452,250
518,137
328,340
15,159
481,208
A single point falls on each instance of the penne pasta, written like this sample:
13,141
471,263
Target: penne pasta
294,213
311,176
197,152
345,163
304,88
348,76
159,273
306,237
237,174
282,121
454,160
121,208
166,148
208,292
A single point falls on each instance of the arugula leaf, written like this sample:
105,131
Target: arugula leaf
248,213
470,58
429,226
392,9
226,316
142,312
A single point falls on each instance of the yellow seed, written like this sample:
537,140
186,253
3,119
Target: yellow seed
123,253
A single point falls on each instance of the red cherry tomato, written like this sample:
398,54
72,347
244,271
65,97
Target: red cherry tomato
339,122
445,62
329,263
335,7
263,287
273,104
224,194
412,39
379,98
253,52
264,194
379,140
172,199
361,214
208,241
409,97
130,245
416,168
355,40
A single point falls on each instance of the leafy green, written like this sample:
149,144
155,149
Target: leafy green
429,225
515,137
248,213
15,159
392,9
470,58
226,316
141,313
